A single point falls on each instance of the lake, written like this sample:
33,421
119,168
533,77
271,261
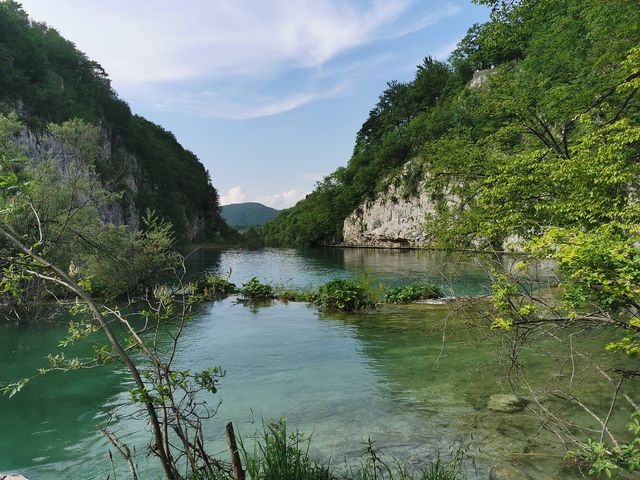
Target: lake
414,379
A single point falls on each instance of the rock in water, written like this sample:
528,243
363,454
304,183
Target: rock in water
505,402
12,476
504,472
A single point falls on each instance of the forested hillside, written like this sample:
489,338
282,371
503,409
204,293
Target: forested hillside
46,79
557,72
248,214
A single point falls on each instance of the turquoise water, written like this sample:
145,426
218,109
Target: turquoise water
312,267
384,375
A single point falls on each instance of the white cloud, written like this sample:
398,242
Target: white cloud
282,200
241,107
234,195
168,40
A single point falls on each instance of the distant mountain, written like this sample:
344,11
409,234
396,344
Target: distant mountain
243,216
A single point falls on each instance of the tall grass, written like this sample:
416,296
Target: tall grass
278,454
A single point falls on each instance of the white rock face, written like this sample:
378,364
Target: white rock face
480,77
390,221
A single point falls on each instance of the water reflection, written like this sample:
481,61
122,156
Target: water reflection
343,377
311,267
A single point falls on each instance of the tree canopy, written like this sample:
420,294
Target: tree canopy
46,79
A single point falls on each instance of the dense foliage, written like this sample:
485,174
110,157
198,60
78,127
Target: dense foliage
46,79
541,152
406,115
57,208
255,290
345,295
554,61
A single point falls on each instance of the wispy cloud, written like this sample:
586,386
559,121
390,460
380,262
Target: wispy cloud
242,107
184,55
181,40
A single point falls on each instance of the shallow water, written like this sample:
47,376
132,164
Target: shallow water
383,375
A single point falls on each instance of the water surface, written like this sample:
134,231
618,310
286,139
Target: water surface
411,378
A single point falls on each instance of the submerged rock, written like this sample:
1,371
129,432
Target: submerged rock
505,472
505,402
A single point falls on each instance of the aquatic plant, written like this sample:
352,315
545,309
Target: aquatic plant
253,289
344,295
278,454
214,286
411,293
293,295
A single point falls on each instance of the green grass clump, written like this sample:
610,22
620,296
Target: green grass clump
279,455
344,295
282,455
411,293
213,286
292,295
255,290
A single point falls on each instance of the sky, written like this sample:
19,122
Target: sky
269,94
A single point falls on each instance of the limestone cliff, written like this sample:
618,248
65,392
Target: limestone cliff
394,219
131,178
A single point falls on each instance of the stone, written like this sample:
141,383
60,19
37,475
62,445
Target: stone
392,219
505,472
506,402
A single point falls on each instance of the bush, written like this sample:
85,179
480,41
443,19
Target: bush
411,293
214,286
253,289
344,295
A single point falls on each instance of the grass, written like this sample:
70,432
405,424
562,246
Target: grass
282,455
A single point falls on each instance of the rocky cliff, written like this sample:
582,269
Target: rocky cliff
195,223
394,219
43,145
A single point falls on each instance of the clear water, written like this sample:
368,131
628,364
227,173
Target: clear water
312,267
345,378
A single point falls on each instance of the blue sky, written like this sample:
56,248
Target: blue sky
268,93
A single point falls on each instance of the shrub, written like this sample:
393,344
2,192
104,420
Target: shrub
344,295
215,286
253,289
411,293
